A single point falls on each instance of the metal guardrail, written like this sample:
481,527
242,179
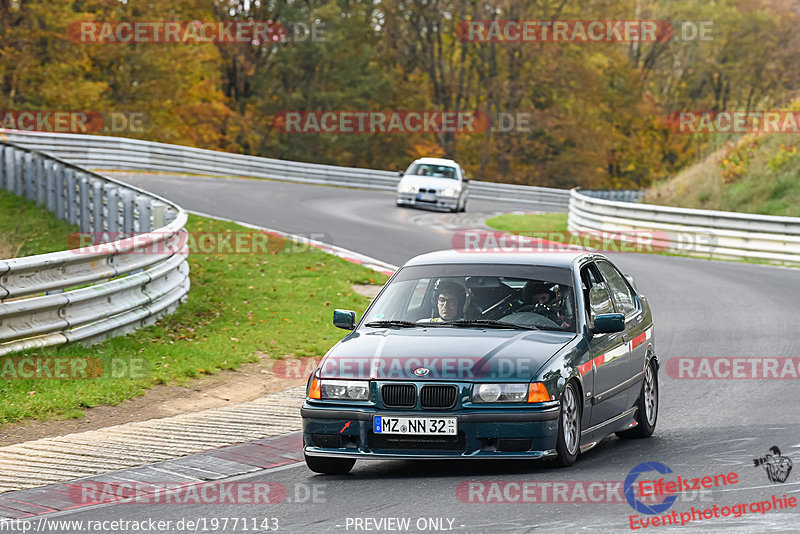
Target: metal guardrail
621,195
94,292
119,153
706,233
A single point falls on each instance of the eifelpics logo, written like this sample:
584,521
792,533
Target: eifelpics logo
777,467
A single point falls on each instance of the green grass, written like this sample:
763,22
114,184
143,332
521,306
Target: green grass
754,174
279,303
540,223
26,229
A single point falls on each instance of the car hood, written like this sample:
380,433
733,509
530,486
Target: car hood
430,182
443,353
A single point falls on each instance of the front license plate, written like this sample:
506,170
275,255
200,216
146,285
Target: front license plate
428,426
426,197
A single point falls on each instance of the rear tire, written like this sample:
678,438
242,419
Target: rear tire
647,404
330,466
569,427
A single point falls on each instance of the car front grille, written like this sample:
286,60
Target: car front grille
399,395
423,190
438,396
379,442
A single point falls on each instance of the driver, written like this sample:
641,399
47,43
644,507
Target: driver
449,298
539,298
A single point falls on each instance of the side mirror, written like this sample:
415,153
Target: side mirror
345,319
401,173
465,180
608,323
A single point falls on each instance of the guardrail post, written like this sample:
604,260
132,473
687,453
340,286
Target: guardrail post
10,161
41,181
127,212
70,196
25,186
97,206
112,207
58,192
145,210
2,167
83,192
51,172
159,213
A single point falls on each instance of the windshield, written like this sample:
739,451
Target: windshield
435,171
477,295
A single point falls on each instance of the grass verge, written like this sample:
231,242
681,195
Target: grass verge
278,303
26,229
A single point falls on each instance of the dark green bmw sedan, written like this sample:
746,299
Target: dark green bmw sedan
491,355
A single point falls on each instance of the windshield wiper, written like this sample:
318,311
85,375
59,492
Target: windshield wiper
399,324
491,323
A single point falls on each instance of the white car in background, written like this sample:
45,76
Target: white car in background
435,183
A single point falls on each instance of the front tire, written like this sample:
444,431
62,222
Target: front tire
569,427
647,404
329,466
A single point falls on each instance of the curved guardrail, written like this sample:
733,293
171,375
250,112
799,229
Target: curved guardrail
119,153
97,291
706,233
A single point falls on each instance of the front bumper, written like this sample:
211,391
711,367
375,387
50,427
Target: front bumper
440,202
495,433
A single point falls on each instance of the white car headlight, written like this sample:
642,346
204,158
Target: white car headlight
407,188
344,389
500,393
449,192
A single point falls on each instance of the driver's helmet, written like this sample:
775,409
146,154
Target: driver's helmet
534,287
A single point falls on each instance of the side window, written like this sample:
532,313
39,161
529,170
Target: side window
620,292
595,292
419,293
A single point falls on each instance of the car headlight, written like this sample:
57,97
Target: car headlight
341,389
534,392
407,188
449,192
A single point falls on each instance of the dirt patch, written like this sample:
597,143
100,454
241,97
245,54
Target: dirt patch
249,382
367,290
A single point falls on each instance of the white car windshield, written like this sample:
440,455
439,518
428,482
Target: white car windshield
434,171
502,296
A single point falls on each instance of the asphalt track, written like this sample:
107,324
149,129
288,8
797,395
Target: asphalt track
706,427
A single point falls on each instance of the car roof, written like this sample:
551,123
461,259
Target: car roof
544,259
437,161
